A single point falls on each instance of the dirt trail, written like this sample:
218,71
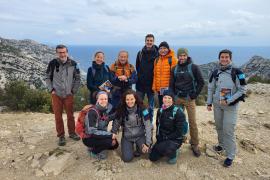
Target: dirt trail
28,142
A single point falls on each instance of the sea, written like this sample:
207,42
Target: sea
84,55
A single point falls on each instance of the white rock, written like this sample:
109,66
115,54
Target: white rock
35,163
58,164
260,112
39,173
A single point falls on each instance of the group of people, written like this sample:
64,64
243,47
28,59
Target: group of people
176,80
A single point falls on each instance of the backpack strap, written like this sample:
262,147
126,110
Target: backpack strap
236,72
170,62
214,75
194,83
53,64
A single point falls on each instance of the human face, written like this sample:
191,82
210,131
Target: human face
163,51
225,59
123,57
99,58
130,100
182,58
103,100
62,54
149,42
167,101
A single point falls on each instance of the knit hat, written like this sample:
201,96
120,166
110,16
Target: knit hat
164,44
101,92
168,93
182,51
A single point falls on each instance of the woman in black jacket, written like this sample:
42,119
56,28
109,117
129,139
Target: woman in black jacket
171,127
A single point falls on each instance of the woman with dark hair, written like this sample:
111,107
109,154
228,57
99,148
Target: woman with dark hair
135,121
98,74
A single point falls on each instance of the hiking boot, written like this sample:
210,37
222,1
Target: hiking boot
218,148
228,162
174,159
62,141
74,136
196,150
102,155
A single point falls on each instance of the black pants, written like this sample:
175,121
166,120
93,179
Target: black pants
99,144
165,148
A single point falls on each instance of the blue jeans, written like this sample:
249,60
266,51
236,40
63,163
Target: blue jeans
151,102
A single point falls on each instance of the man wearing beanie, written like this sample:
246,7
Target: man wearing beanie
162,68
186,83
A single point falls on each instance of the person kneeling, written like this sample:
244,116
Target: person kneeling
92,127
171,127
136,125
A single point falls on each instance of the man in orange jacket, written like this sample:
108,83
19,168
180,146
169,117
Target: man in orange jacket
162,69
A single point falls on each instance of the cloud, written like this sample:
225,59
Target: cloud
62,32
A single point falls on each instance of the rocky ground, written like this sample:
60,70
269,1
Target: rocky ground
28,150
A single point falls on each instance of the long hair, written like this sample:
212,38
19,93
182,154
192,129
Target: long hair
121,109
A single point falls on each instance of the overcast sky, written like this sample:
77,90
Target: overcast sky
179,22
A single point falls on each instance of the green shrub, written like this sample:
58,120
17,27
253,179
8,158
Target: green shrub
255,79
81,98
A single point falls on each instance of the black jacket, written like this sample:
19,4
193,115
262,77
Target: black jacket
144,67
169,127
181,82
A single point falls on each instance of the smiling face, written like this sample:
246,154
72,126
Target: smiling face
103,100
182,58
149,42
123,57
62,54
130,100
163,51
99,58
225,59
167,101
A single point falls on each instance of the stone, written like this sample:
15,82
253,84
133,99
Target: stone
260,112
57,164
248,145
267,125
39,173
146,163
209,151
35,163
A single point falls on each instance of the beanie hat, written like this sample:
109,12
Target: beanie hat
168,93
164,44
182,51
101,92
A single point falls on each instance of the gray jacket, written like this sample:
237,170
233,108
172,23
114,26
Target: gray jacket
64,78
97,120
215,87
134,125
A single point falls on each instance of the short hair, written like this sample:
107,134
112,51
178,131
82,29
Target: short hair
149,35
227,51
122,51
98,53
61,46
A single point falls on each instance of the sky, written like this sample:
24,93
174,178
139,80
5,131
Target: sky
126,22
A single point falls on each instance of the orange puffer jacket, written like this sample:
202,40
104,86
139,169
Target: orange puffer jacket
162,71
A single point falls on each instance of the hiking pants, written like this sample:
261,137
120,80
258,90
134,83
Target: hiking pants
58,104
190,106
99,144
127,148
164,148
225,121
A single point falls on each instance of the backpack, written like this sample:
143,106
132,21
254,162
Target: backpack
80,124
175,109
94,70
189,67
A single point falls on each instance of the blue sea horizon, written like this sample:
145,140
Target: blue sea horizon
84,54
